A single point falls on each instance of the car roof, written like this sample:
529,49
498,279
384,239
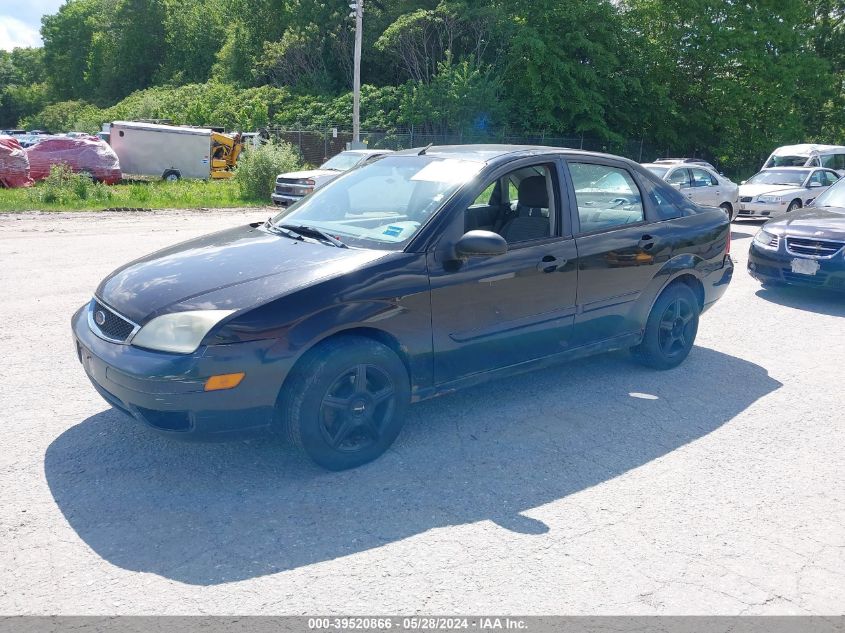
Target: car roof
486,153
678,165
806,149
367,152
793,168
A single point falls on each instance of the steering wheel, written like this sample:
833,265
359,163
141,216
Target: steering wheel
618,202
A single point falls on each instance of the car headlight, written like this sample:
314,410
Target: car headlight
180,332
770,199
767,240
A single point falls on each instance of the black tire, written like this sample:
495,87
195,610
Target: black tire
670,329
171,175
795,204
345,402
726,206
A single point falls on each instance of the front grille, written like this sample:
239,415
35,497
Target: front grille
745,199
114,327
811,247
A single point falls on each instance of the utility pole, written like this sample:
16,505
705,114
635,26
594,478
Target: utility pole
358,13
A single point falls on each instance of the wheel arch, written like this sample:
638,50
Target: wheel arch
679,270
380,336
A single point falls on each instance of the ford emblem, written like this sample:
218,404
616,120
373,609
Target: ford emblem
99,317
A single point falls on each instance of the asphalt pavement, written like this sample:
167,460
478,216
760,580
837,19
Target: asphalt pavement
596,487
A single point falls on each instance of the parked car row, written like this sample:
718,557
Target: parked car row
800,191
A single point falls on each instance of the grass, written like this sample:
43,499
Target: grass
68,193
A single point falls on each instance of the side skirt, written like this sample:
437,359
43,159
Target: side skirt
623,341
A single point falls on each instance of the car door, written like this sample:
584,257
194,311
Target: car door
494,312
619,253
680,179
705,188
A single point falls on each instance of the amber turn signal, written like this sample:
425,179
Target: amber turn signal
224,381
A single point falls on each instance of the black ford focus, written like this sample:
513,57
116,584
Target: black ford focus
424,272
805,247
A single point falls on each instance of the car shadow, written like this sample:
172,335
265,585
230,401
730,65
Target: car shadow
207,514
738,235
815,300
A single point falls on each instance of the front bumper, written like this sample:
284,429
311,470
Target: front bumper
283,199
775,267
166,391
760,210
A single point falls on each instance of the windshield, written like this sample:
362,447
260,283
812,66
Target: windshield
381,205
658,171
342,162
787,161
794,177
832,197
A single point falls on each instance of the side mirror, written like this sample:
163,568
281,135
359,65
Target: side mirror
676,185
813,185
743,182
481,244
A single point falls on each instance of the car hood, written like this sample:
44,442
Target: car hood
757,190
822,223
310,173
231,270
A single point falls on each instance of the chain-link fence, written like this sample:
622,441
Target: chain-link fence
317,146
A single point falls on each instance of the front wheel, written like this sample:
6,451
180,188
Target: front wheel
670,329
345,402
795,204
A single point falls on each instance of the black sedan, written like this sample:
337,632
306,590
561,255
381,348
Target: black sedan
424,272
804,248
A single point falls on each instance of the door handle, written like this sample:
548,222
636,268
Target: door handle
646,242
550,264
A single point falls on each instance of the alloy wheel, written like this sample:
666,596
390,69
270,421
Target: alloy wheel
355,408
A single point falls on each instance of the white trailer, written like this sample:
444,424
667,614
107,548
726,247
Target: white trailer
165,151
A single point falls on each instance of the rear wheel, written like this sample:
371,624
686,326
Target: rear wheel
671,328
345,402
726,206
171,175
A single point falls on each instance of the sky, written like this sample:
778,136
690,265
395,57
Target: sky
20,21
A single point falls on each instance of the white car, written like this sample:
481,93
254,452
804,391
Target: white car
700,183
293,186
808,155
779,190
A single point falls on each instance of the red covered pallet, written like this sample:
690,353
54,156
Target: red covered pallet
87,154
14,164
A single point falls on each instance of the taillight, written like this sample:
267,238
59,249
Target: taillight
728,247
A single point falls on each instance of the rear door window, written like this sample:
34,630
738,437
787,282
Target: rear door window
701,178
607,197
679,177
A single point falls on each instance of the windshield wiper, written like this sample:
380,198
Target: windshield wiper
282,230
313,230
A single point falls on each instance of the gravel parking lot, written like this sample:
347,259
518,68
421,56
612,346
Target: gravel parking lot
598,487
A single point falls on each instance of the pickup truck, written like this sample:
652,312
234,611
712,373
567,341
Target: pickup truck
293,186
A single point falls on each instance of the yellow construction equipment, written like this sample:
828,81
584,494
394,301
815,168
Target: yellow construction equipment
225,150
